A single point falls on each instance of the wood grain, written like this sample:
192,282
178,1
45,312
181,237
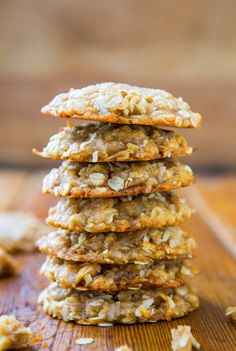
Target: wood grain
216,284
133,38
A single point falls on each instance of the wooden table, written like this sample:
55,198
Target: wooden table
213,226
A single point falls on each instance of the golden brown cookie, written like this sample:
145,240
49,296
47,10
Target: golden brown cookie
119,214
73,179
94,276
20,230
127,306
13,334
111,143
140,247
183,339
125,104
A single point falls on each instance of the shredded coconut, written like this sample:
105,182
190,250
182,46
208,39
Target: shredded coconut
95,156
182,339
231,313
84,341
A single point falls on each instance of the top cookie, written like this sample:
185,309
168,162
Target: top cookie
125,104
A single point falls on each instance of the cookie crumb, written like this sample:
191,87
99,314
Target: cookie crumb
123,348
84,341
231,313
13,334
105,324
182,339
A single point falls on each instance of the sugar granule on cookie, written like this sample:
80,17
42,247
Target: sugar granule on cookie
182,339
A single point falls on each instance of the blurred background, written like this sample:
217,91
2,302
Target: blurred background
187,47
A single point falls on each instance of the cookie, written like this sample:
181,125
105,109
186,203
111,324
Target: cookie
125,104
20,230
111,143
127,306
97,277
119,214
140,247
73,179
13,334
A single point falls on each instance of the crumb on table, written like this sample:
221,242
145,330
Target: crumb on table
231,313
123,348
13,334
84,341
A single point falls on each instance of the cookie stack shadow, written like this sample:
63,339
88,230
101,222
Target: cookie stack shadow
117,254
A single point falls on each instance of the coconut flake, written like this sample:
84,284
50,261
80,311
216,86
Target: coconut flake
105,325
88,279
95,156
116,183
148,303
161,173
84,341
182,339
188,169
97,179
231,312
185,114
85,143
96,303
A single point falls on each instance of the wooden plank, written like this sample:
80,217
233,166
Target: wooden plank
214,199
216,284
220,195
30,197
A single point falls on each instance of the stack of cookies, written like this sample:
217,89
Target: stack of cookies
117,255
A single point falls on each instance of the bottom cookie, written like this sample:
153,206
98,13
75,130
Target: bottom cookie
127,307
